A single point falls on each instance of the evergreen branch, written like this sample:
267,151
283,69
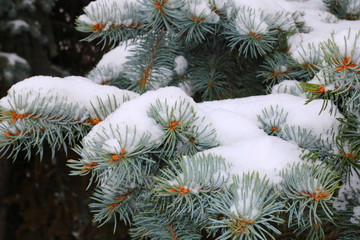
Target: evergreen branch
112,201
183,130
247,210
272,120
350,130
108,75
151,66
339,82
187,186
199,21
347,160
345,204
161,14
104,107
31,121
320,91
120,155
308,62
344,9
279,67
339,154
175,119
212,85
212,72
195,29
220,8
249,34
307,191
349,236
199,138
342,60
150,223
303,137
110,21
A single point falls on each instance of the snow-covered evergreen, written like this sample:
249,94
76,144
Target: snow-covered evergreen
173,166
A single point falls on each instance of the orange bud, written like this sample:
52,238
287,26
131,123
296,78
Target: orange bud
122,154
349,155
345,64
185,190
256,36
172,125
96,121
114,157
88,167
96,27
181,190
347,60
321,89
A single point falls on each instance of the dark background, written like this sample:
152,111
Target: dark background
38,199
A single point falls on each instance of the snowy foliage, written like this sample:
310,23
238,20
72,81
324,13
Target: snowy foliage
235,168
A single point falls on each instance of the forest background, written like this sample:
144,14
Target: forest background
39,200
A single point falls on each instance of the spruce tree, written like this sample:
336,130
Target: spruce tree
172,166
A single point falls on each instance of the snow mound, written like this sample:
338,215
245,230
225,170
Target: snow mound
72,90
